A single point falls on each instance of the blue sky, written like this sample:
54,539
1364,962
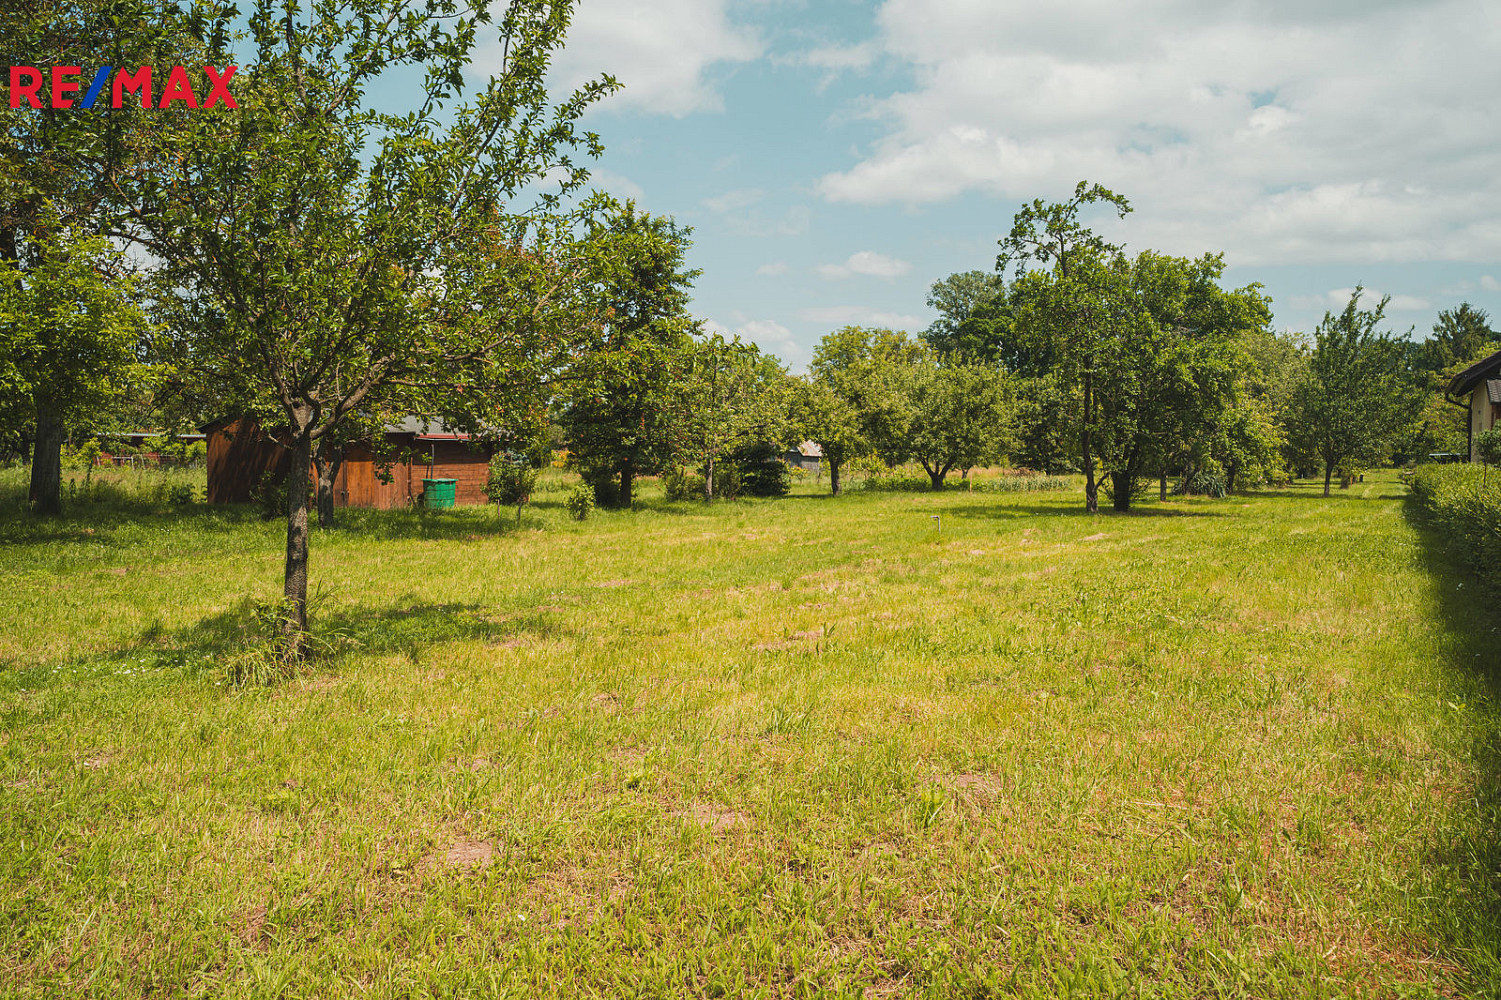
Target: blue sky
836,158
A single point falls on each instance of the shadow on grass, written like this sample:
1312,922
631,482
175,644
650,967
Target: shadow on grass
407,627
1076,511
1466,907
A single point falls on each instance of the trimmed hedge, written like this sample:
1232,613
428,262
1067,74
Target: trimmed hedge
1466,503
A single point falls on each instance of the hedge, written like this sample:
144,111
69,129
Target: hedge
1465,503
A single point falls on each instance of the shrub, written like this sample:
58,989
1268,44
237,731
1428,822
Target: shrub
512,480
762,471
580,502
680,484
1467,510
269,497
1488,446
1203,484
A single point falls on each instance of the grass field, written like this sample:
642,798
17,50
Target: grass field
811,747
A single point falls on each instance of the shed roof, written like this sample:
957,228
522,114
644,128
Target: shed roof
1472,376
1493,389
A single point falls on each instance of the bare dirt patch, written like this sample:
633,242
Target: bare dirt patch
95,762
716,819
611,584
469,854
1094,538
251,929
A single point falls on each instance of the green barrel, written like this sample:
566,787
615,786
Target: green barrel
439,492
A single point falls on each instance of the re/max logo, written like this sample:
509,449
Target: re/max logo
26,84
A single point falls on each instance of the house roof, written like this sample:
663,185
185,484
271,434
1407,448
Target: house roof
1493,389
810,449
1472,376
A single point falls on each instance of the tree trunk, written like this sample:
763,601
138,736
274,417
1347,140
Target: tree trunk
1091,489
1328,476
936,477
1121,485
834,476
709,479
1230,472
46,493
328,459
627,482
294,588
1162,486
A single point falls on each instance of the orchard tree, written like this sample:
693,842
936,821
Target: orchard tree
613,413
867,367
1356,394
71,335
326,258
726,394
1065,301
961,417
828,416
67,176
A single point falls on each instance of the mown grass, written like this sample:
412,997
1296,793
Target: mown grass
809,747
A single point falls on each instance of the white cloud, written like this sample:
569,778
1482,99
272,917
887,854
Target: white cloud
769,335
1279,132
664,52
775,269
861,316
1489,283
1336,299
616,184
837,57
742,217
867,263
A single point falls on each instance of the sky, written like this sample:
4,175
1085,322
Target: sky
836,158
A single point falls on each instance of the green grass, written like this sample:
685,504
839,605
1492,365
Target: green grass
810,747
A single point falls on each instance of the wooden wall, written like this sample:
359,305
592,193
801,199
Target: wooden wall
238,455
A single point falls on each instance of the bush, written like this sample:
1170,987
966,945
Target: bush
605,484
1488,446
512,480
580,502
680,484
762,471
1467,509
1203,484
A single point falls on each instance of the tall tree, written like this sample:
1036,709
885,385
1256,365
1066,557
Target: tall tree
1356,394
1461,334
956,298
1067,303
328,258
69,173
72,336
613,416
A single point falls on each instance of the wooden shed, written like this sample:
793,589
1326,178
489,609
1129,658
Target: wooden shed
240,453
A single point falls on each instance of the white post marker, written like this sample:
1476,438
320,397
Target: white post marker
938,519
